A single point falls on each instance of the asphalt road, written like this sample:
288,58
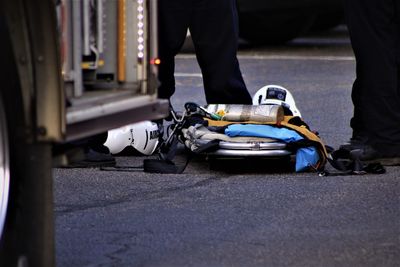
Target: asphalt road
243,216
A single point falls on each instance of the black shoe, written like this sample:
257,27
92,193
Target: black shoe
356,142
370,155
90,159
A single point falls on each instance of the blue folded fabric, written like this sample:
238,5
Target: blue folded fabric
305,157
260,130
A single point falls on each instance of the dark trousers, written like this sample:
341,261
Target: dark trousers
213,25
374,27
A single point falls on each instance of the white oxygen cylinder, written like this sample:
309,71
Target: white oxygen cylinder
257,113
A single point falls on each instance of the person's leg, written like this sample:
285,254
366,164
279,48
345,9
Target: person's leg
359,135
373,31
174,16
214,29
397,4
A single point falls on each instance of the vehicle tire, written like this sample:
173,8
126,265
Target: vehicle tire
273,29
27,234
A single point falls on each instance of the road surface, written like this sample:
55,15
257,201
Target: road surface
243,216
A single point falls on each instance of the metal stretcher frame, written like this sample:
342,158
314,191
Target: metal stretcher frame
248,149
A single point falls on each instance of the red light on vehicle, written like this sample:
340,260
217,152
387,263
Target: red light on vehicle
155,61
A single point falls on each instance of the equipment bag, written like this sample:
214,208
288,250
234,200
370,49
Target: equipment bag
203,132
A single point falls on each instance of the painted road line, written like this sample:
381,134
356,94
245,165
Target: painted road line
283,57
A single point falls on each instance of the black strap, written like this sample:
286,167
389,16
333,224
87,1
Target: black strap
118,168
211,146
165,163
348,162
162,166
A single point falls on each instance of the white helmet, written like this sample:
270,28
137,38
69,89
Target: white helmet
275,94
142,136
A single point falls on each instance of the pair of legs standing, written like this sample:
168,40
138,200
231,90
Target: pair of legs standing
374,27
213,26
